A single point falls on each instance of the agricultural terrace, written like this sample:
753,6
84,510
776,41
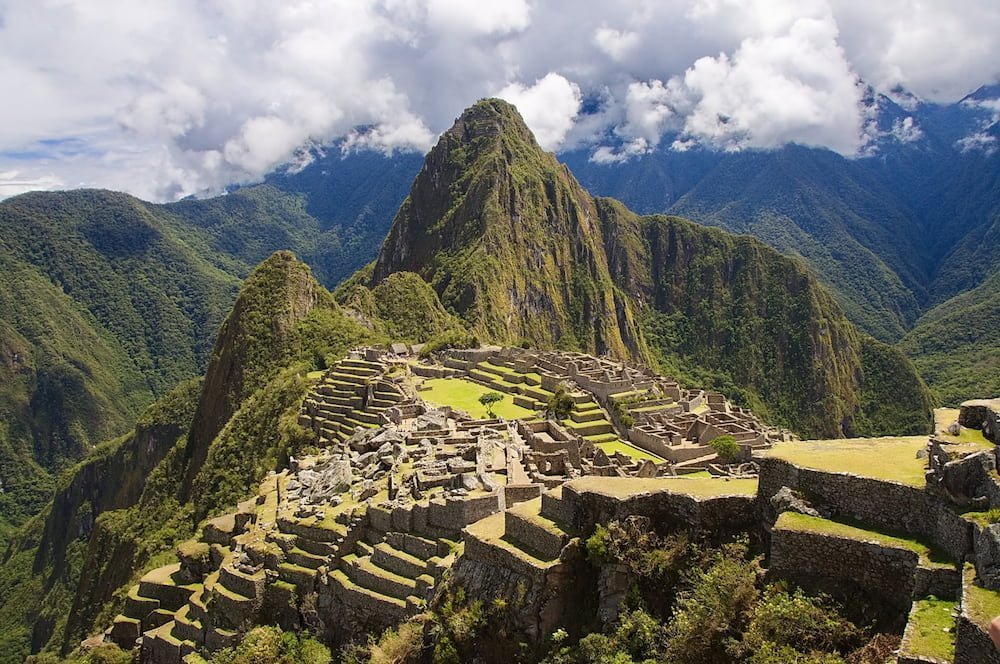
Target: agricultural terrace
892,459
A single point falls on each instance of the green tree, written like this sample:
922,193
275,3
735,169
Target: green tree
489,399
726,447
560,404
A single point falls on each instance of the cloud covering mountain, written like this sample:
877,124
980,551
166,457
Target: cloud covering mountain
166,99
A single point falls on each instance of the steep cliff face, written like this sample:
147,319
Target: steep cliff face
195,452
509,240
513,245
731,304
255,336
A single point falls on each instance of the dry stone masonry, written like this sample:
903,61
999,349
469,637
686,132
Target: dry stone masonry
404,494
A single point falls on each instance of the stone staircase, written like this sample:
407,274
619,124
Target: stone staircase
589,421
351,395
394,578
527,538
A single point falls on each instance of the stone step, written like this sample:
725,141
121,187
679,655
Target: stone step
419,547
384,604
156,618
124,631
366,417
333,397
368,575
137,606
525,526
220,530
343,377
586,415
217,638
597,427
241,583
321,549
162,584
316,530
397,561
381,404
357,367
333,411
162,647
305,559
297,575
187,628
233,608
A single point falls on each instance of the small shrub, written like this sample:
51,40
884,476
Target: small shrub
597,546
560,404
726,447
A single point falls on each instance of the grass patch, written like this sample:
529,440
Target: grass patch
931,632
981,604
464,395
701,487
629,450
892,459
812,524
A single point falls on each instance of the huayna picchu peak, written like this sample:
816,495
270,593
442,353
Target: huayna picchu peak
538,427
515,247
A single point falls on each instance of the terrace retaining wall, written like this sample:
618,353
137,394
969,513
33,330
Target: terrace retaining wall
881,504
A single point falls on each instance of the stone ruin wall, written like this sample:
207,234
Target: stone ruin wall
669,511
846,569
884,505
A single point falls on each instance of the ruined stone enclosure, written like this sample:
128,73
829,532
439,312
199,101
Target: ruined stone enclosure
413,488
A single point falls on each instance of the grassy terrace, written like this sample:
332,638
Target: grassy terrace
628,450
981,604
464,395
810,524
699,487
893,459
931,632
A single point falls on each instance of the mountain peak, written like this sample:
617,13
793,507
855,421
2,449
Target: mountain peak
489,118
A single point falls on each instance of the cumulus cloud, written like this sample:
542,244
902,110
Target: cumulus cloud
548,107
167,99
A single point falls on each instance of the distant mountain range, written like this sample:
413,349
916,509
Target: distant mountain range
108,301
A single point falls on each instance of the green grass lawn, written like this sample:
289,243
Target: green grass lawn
981,604
893,459
623,487
464,395
811,524
931,632
627,449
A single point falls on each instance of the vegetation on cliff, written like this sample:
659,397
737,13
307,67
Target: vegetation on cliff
522,254
59,582
690,602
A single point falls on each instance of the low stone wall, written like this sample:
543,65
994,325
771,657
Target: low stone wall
883,505
982,414
847,569
717,517
518,493
973,645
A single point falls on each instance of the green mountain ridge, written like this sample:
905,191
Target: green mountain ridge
522,254
464,258
66,570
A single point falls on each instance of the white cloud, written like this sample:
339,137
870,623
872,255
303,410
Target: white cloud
617,44
548,107
905,130
165,99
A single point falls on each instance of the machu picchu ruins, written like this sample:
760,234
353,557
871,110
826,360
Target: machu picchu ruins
404,493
